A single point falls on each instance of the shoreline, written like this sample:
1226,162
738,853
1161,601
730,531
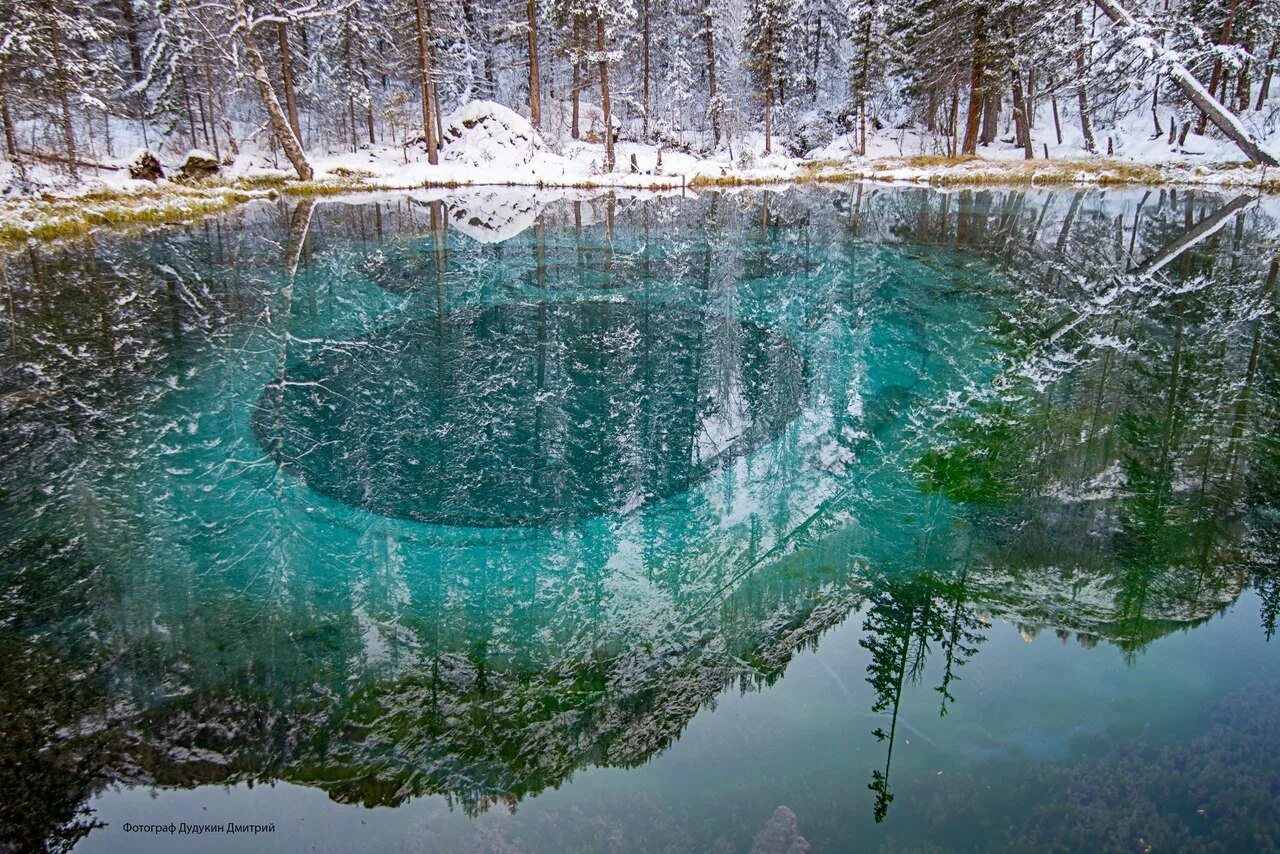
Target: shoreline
52,216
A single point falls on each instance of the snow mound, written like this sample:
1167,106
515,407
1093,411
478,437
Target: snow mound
485,133
492,216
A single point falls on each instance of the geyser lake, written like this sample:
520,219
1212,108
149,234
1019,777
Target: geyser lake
494,520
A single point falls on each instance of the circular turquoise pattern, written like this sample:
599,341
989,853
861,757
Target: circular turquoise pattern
530,413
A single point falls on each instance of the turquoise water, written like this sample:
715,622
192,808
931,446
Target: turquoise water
942,520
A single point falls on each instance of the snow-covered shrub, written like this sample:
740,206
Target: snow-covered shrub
484,133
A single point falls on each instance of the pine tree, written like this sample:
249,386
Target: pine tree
770,26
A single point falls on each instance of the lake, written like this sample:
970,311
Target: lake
862,518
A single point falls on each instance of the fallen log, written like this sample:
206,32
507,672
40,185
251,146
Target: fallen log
1222,118
66,161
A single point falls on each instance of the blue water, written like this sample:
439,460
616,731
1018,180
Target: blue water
940,520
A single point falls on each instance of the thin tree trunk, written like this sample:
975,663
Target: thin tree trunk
435,90
286,75
213,107
768,110
10,137
864,77
191,116
990,117
644,65
817,56
977,70
709,38
1082,96
424,68
604,96
131,36
1265,91
349,74
575,127
204,118
535,98
106,132
1243,86
954,141
368,107
1021,115
1223,38
275,114
68,132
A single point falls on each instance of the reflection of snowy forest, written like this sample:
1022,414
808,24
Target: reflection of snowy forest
1055,410
341,87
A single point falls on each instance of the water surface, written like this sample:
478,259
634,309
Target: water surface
490,521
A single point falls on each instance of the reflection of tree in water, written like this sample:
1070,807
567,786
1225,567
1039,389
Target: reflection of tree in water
1177,483
1135,437
905,623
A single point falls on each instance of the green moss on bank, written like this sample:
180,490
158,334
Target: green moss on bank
50,217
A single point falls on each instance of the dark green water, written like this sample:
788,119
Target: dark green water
948,521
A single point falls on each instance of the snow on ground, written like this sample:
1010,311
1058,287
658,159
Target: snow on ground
488,144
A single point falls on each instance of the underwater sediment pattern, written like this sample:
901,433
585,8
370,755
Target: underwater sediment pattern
465,495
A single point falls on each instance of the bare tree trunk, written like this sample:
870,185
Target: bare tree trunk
131,36
191,116
604,96
954,119
204,118
424,67
709,38
535,99
213,107
10,137
1243,86
864,77
1222,118
644,65
977,70
1265,91
575,128
1021,115
286,75
435,90
275,114
817,56
768,110
1214,76
990,117
1082,96
68,132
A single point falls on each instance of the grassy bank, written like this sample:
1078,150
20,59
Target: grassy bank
1096,172
52,216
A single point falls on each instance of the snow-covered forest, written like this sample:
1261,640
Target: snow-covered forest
358,84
